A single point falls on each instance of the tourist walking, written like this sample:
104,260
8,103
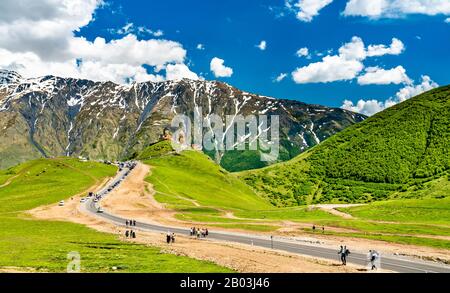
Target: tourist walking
343,255
373,258
346,253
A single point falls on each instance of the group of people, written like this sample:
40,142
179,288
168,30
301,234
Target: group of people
170,237
199,232
373,256
343,253
130,234
130,223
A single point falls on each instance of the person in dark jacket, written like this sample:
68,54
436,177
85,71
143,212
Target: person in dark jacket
342,255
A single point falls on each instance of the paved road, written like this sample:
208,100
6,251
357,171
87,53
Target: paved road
391,262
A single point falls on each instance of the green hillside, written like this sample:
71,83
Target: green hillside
400,152
200,191
158,149
192,179
43,246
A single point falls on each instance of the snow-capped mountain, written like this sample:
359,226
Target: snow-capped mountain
53,116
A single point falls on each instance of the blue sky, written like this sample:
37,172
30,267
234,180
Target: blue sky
232,29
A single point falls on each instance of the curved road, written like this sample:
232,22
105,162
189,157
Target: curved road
391,262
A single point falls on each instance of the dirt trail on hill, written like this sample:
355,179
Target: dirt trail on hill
9,180
332,209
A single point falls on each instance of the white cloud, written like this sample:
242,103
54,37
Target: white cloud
126,29
179,71
280,77
306,10
302,52
143,30
347,64
38,39
395,48
128,50
262,45
331,68
395,8
370,107
219,69
353,50
130,28
377,75
200,47
44,27
414,90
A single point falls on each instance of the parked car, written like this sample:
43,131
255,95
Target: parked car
61,203
83,200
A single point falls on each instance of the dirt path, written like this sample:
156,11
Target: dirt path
10,179
332,209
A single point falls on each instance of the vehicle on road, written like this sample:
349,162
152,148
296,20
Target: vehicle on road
83,200
61,203
100,210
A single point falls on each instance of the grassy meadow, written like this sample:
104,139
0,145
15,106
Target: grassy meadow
36,245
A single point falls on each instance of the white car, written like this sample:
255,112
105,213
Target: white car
95,200
83,200
61,203
100,210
